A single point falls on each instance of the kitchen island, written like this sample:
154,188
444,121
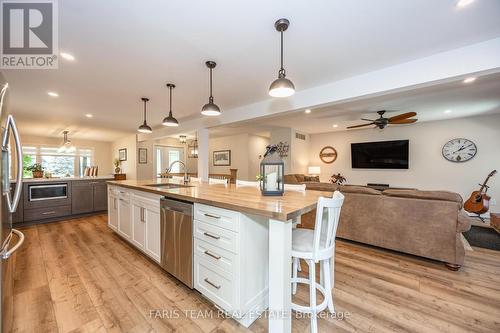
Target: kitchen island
236,213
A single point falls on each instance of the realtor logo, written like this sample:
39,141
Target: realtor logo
29,34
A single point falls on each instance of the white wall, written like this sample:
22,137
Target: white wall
130,165
428,170
238,144
299,150
102,150
256,149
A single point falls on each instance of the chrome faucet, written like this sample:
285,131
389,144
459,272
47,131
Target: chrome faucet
186,176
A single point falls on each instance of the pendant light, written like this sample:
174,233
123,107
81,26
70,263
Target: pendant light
210,109
170,120
145,128
66,146
281,87
193,148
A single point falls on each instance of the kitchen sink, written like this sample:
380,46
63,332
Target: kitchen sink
169,185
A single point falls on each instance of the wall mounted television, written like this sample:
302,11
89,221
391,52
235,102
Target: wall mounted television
380,155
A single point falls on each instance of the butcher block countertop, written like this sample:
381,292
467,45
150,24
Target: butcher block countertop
242,199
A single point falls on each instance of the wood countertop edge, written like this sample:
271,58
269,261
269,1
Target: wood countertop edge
240,208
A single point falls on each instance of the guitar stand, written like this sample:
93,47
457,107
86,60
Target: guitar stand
480,217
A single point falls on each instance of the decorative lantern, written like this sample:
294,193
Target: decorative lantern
272,170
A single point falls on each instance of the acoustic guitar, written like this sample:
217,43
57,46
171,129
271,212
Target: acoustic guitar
479,201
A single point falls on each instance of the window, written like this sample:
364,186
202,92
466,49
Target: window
165,156
29,158
59,164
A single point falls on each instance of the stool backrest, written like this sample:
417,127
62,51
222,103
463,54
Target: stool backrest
217,181
241,183
327,221
293,187
195,179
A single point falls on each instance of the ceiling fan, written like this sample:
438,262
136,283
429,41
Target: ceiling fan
382,122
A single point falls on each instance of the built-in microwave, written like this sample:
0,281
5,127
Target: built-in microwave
39,192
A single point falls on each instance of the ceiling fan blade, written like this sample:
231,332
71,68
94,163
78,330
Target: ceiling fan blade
402,116
403,121
356,126
367,119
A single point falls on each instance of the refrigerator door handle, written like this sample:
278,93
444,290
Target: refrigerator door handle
12,203
7,253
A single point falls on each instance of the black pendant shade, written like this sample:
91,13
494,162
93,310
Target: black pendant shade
170,120
145,128
281,87
210,109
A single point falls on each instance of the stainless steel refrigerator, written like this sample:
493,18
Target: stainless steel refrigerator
10,239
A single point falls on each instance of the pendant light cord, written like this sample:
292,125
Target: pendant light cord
170,92
281,72
145,111
211,98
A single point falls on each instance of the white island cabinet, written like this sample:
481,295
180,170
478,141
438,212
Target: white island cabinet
231,261
135,215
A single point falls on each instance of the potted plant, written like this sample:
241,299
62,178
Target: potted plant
36,169
116,163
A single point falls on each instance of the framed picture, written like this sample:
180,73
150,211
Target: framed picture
122,154
222,158
143,156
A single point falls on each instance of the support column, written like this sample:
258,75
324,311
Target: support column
280,291
203,154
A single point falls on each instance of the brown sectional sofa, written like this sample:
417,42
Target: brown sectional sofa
423,223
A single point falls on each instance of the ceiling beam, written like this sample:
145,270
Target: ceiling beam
476,59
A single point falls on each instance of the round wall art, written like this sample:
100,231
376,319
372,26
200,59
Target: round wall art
328,154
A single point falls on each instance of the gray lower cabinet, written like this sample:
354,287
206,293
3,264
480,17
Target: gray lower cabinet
100,196
82,197
88,196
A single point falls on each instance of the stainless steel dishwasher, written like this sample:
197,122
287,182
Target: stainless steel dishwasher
177,239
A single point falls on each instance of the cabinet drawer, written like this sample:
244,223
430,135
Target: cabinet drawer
220,258
46,213
222,238
221,217
213,283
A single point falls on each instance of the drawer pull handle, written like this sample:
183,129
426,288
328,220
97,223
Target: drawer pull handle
49,213
212,255
212,216
212,284
211,236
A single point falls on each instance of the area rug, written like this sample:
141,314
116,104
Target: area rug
483,237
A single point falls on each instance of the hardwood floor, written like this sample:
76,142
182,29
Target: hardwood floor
78,276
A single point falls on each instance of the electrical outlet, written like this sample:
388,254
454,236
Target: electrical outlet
493,202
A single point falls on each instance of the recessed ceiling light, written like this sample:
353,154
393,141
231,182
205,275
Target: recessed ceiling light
335,125
52,94
448,111
308,111
469,80
67,56
464,3
88,115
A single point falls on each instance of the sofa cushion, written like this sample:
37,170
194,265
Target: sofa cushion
290,179
317,186
430,195
311,179
300,177
358,189
464,222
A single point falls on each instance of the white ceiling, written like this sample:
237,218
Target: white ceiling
127,49
444,101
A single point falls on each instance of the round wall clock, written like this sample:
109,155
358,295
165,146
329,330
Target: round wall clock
459,150
328,154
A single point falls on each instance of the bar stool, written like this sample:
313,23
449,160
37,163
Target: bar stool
246,183
217,181
314,246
